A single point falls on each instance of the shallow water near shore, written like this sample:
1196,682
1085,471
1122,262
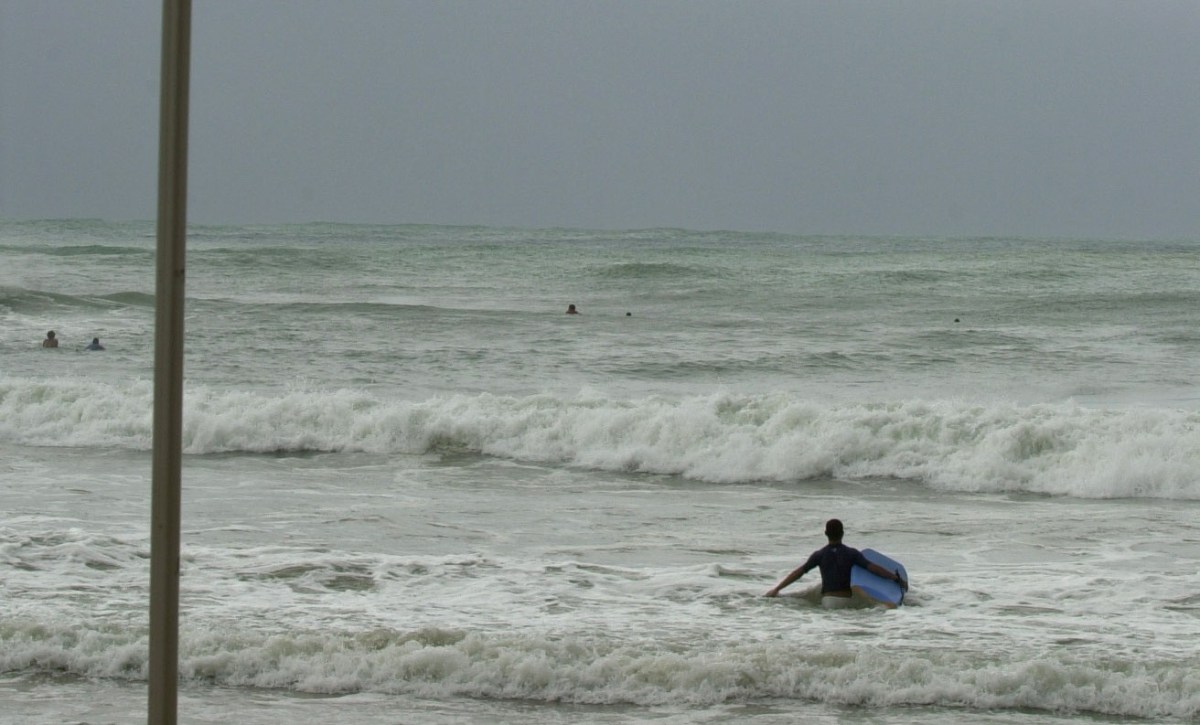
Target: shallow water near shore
614,597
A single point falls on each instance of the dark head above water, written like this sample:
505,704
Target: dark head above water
834,530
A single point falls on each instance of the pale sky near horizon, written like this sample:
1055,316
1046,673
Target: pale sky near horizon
1076,118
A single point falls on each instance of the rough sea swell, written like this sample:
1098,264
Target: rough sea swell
593,669
1060,448
569,632
413,485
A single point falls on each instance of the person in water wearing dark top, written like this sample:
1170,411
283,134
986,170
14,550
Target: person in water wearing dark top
571,310
51,340
95,345
835,561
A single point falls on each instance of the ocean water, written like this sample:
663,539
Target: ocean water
417,492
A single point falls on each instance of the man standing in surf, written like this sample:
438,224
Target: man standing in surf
836,560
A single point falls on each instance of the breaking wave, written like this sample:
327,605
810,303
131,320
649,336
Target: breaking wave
1059,449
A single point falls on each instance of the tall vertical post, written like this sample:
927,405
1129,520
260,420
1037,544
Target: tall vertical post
168,362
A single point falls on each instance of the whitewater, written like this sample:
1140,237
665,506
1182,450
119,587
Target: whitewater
416,491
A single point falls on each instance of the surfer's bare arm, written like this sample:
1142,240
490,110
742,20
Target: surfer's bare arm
796,574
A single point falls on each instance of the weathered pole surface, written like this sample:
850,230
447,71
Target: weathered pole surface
168,362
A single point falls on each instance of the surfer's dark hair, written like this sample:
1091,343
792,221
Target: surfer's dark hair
833,529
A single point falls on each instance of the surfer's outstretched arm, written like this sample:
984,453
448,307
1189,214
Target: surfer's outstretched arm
787,580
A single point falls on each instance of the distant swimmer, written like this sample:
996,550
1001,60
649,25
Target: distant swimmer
95,345
51,340
571,310
835,561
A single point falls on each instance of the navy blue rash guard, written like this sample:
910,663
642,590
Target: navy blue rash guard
835,561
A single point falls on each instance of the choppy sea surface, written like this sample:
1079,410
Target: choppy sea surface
415,491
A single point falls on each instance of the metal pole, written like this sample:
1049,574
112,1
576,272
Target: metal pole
168,362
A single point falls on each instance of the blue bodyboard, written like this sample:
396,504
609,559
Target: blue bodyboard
874,587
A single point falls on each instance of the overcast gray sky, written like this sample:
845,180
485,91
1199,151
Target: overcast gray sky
1006,117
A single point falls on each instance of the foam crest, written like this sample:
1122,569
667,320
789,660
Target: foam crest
592,669
1060,449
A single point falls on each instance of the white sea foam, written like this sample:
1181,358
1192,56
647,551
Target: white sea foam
556,590
574,668
1061,449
